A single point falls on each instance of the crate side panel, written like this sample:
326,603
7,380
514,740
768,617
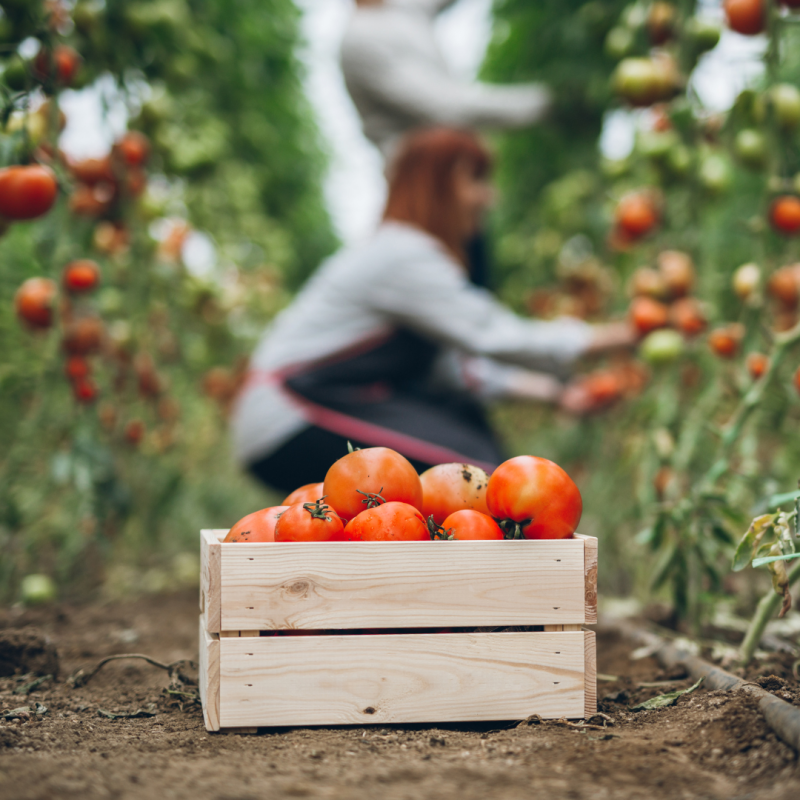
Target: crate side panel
590,577
348,680
345,585
590,674
210,580
208,678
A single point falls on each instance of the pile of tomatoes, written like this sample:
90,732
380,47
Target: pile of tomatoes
375,495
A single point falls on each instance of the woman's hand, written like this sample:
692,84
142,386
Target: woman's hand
612,336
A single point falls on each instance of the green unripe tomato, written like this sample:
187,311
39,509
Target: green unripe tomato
15,75
656,144
702,34
37,590
620,42
715,174
750,147
785,100
679,160
661,347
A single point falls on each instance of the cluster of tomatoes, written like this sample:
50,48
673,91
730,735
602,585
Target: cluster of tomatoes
376,495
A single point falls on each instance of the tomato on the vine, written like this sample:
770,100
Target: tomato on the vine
757,365
747,17
784,285
451,487
34,302
535,496
77,368
82,275
85,391
637,214
308,522
785,214
134,432
688,316
647,314
26,192
364,477
796,380
390,522
133,148
309,493
83,336
468,525
61,64
726,341
678,271
256,527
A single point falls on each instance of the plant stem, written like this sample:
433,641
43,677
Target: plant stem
765,611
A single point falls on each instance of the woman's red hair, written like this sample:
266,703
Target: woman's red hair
422,182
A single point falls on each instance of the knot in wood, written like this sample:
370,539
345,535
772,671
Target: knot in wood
298,588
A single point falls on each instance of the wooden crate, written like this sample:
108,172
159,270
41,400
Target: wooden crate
250,678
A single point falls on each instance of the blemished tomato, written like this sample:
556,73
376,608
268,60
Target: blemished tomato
390,522
648,315
725,342
362,477
468,525
745,16
85,391
83,336
309,493
784,285
637,214
536,495
757,365
688,316
133,148
678,271
256,527
82,275
34,302
26,192
451,487
308,522
785,214
77,368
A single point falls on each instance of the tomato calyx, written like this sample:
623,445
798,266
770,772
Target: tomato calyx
513,529
372,500
319,510
437,532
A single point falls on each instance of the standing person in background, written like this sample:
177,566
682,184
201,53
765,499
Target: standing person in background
399,80
389,343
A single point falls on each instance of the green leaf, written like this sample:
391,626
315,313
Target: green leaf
664,567
751,540
759,562
664,700
778,500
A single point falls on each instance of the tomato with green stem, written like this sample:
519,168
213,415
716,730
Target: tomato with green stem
469,525
308,522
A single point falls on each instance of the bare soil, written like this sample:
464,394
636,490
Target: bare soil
709,745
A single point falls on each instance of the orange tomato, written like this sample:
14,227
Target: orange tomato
536,496
785,214
308,522
725,341
81,276
757,365
678,271
647,315
452,487
77,368
83,336
636,214
309,493
688,316
468,525
85,391
364,477
133,148
256,527
390,522
27,192
784,285
796,380
747,17
34,302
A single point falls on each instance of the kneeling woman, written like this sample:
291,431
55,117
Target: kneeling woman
390,344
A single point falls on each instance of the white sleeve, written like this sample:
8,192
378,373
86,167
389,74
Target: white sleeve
431,295
432,7
427,95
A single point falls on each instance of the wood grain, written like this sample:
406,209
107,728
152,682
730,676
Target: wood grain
210,583
209,677
346,585
590,577
347,680
590,674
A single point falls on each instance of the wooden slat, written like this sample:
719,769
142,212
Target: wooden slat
346,680
346,585
590,674
210,583
590,577
209,677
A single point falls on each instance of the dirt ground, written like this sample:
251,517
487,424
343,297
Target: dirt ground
710,745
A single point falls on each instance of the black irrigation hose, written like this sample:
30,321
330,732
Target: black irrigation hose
781,716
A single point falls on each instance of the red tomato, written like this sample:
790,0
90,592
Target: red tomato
90,201
784,285
26,192
34,302
81,276
467,524
309,493
83,336
308,522
688,317
93,170
256,527
757,365
537,495
63,64
678,271
636,215
785,214
390,522
133,148
451,487
724,342
364,477
745,16
134,431
85,391
647,315
796,380
77,368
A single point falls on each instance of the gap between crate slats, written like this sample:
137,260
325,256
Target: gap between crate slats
404,678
